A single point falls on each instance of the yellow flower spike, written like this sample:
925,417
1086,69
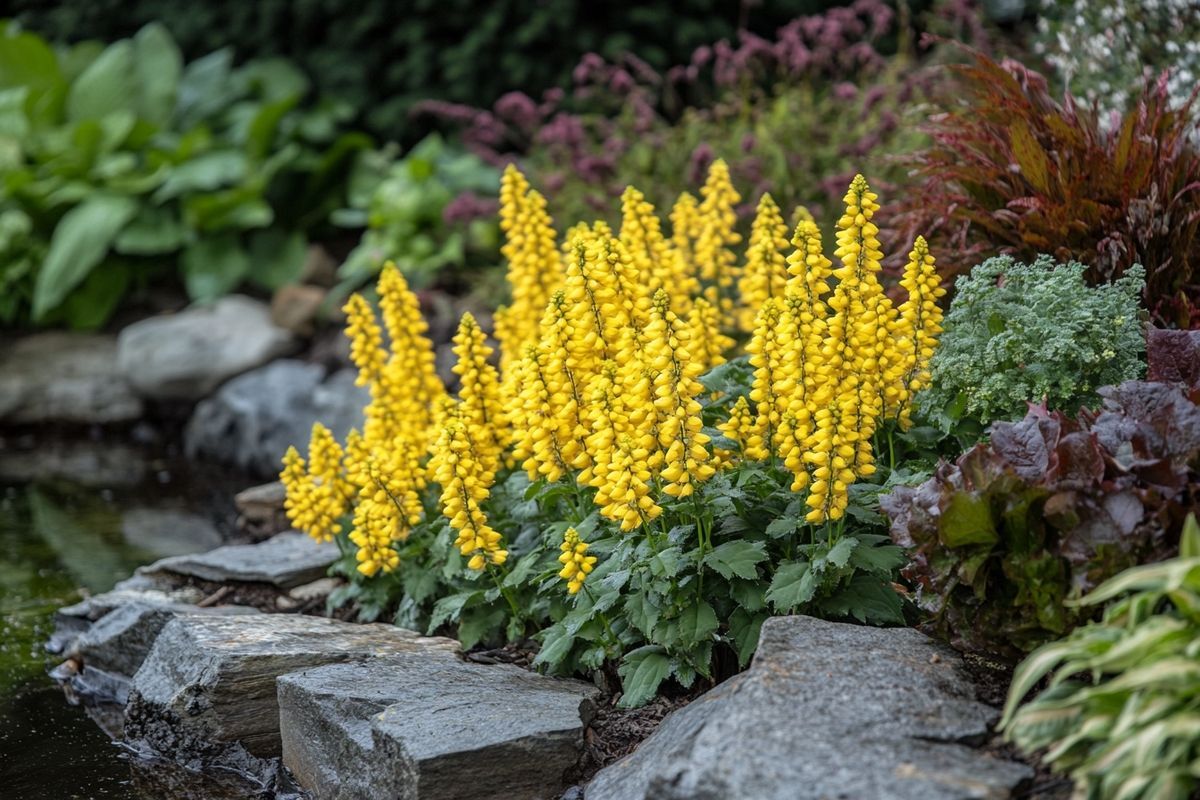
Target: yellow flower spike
641,236
739,428
318,493
709,343
619,468
543,436
566,381
766,358
466,480
920,323
765,274
713,253
366,341
684,285
479,392
576,563
686,461
535,267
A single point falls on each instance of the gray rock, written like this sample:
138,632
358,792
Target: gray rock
100,465
434,728
185,356
168,532
252,420
109,652
70,622
208,683
64,377
827,710
285,560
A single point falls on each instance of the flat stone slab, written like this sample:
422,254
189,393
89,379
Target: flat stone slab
827,710
433,728
64,377
208,683
285,560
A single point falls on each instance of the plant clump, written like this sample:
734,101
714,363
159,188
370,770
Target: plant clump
681,491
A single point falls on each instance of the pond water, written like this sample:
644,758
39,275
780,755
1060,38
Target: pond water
75,519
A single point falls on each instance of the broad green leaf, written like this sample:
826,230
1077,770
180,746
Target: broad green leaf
697,622
665,563
26,61
154,231
277,257
840,554
205,88
750,595
80,241
794,585
448,608
967,520
1189,540
738,558
641,673
477,624
1030,671
105,86
158,64
642,611
744,627
783,526
867,599
93,302
260,135
204,173
213,267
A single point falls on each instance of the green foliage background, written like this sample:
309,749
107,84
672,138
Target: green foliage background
382,56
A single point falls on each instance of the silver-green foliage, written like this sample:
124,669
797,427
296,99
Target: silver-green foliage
1019,333
1121,712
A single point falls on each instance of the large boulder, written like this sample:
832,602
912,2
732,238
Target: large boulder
64,377
253,419
208,683
185,356
827,710
285,560
169,531
433,728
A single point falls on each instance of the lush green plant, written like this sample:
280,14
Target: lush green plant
118,161
1050,507
382,59
621,489
424,213
1014,170
1018,334
1121,711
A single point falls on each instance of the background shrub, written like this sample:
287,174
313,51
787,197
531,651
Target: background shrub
1035,333
381,56
1014,170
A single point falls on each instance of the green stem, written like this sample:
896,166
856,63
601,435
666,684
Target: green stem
512,604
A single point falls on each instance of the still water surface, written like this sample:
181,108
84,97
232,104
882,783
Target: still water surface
71,524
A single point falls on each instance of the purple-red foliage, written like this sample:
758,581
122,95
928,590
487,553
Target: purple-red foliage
1013,170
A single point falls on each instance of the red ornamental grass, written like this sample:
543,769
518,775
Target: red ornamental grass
1012,170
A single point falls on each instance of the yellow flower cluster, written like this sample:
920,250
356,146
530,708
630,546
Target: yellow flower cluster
601,352
317,493
576,563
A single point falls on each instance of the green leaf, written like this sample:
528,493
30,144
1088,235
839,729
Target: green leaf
26,61
738,558
213,267
478,624
783,526
665,563
104,87
794,585
449,608
839,556
967,520
744,627
204,173
867,599
697,622
260,137
1189,540
154,231
643,612
277,257
641,672
90,305
556,644
80,241
158,64
750,595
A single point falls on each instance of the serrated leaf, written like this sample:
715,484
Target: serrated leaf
556,644
794,585
641,673
697,622
839,556
737,558
783,526
744,627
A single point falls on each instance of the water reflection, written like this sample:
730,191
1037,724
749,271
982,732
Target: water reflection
82,517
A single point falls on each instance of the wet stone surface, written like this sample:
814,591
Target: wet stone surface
826,710
434,728
208,683
285,560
